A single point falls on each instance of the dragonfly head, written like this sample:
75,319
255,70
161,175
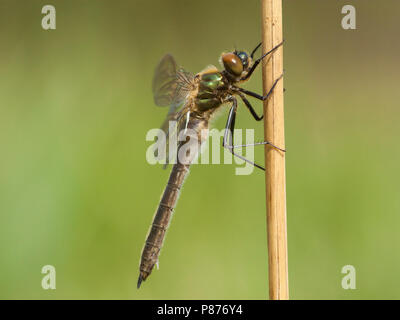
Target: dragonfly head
236,62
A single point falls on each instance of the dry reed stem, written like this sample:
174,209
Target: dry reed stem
275,159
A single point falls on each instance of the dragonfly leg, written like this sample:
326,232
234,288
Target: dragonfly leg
228,137
255,49
258,144
258,96
257,62
250,107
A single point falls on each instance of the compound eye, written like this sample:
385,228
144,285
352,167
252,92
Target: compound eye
232,63
244,57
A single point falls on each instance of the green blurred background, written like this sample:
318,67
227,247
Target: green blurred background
76,191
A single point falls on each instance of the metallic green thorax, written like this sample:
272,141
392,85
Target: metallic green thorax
207,97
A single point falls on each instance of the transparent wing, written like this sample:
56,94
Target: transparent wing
170,84
171,87
172,126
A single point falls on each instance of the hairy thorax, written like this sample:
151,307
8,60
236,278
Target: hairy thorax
213,89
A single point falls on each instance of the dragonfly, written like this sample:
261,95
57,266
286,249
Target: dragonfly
192,101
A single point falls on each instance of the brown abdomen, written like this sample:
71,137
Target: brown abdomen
161,220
